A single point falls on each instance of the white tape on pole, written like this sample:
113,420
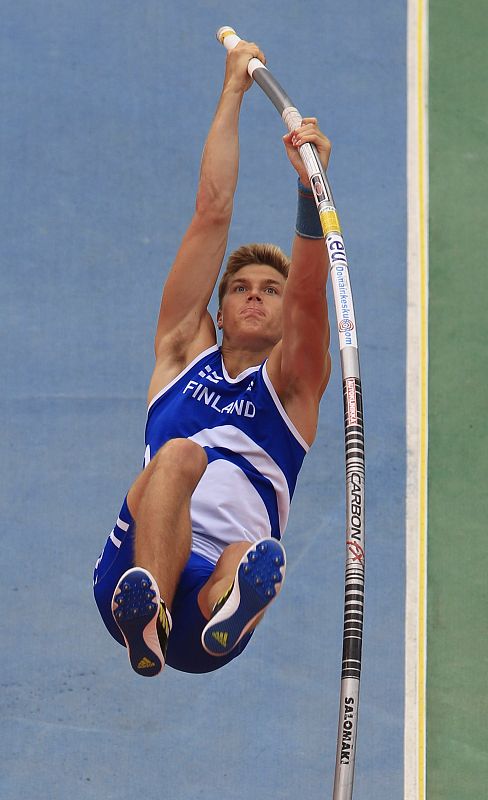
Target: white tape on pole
229,38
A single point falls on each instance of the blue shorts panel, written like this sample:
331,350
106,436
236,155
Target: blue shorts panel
185,651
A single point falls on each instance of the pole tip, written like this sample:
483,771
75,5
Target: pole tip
223,32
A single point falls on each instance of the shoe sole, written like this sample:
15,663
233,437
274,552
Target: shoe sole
135,607
258,580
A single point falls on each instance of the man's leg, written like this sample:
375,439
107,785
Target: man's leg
159,502
245,581
222,577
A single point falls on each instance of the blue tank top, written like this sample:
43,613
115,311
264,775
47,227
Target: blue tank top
255,452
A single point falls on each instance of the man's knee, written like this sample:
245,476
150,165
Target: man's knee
183,457
179,458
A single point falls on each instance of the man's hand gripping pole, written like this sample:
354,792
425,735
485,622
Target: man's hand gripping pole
293,120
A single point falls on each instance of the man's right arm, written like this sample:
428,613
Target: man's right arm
184,325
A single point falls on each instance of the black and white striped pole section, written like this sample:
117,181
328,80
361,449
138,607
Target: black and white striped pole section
353,422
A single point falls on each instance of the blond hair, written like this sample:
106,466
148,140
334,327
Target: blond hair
269,255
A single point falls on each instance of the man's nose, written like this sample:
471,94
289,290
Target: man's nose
254,295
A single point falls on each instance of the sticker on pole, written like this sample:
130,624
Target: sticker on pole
351,402
339,274
329,221
319,189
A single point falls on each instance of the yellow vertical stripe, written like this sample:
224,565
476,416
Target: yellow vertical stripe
423,266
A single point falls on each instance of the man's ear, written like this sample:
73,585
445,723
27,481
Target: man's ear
220,319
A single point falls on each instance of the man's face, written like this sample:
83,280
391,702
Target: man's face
251,308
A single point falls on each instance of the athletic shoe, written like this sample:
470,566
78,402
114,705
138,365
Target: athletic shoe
143,619
258,580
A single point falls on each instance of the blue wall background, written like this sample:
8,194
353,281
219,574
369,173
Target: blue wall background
105,109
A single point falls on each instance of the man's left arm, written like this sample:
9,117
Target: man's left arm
304,362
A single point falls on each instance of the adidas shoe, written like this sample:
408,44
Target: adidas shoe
143,619
258,580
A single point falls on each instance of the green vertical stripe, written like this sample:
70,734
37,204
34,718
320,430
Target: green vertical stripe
457,670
